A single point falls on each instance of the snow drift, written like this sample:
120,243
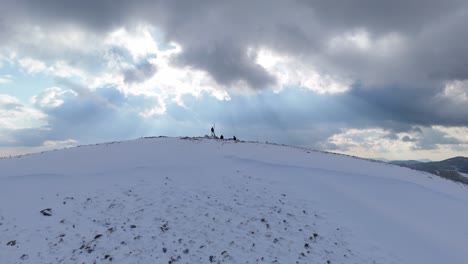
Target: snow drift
173,200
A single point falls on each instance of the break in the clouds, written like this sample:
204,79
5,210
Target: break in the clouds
375,78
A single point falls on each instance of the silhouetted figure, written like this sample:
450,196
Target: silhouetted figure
221,137
212,132
234,138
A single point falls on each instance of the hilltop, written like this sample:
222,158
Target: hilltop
194,200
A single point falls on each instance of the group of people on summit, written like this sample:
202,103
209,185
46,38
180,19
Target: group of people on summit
213,134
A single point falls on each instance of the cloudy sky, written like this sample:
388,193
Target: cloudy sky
382,79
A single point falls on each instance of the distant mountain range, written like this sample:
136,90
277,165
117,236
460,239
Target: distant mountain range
405,162
452,169
396,162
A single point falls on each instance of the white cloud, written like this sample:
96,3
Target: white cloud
291,71
8,99
139,42
32,66
368,142
434,143
170,82
64,70
456,90
52,97
14,115
58,68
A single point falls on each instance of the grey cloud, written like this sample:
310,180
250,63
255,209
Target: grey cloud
408,139
303,29
384,16
430,138
402,108
216,35
460,147
98,15
227,64
392,136
4,30
26,137
140,73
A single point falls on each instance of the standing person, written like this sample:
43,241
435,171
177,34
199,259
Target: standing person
212,132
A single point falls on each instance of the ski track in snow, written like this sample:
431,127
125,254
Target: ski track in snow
224,206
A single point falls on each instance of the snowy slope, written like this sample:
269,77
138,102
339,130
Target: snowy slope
171,200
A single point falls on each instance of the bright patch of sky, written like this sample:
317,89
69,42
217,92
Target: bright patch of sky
20,83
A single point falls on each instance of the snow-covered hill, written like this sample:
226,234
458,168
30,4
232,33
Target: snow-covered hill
172,200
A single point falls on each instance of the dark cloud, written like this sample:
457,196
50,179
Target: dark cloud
304,29
384,16
217,35
227,63
402,108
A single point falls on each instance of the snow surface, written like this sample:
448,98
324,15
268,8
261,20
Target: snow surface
172,200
